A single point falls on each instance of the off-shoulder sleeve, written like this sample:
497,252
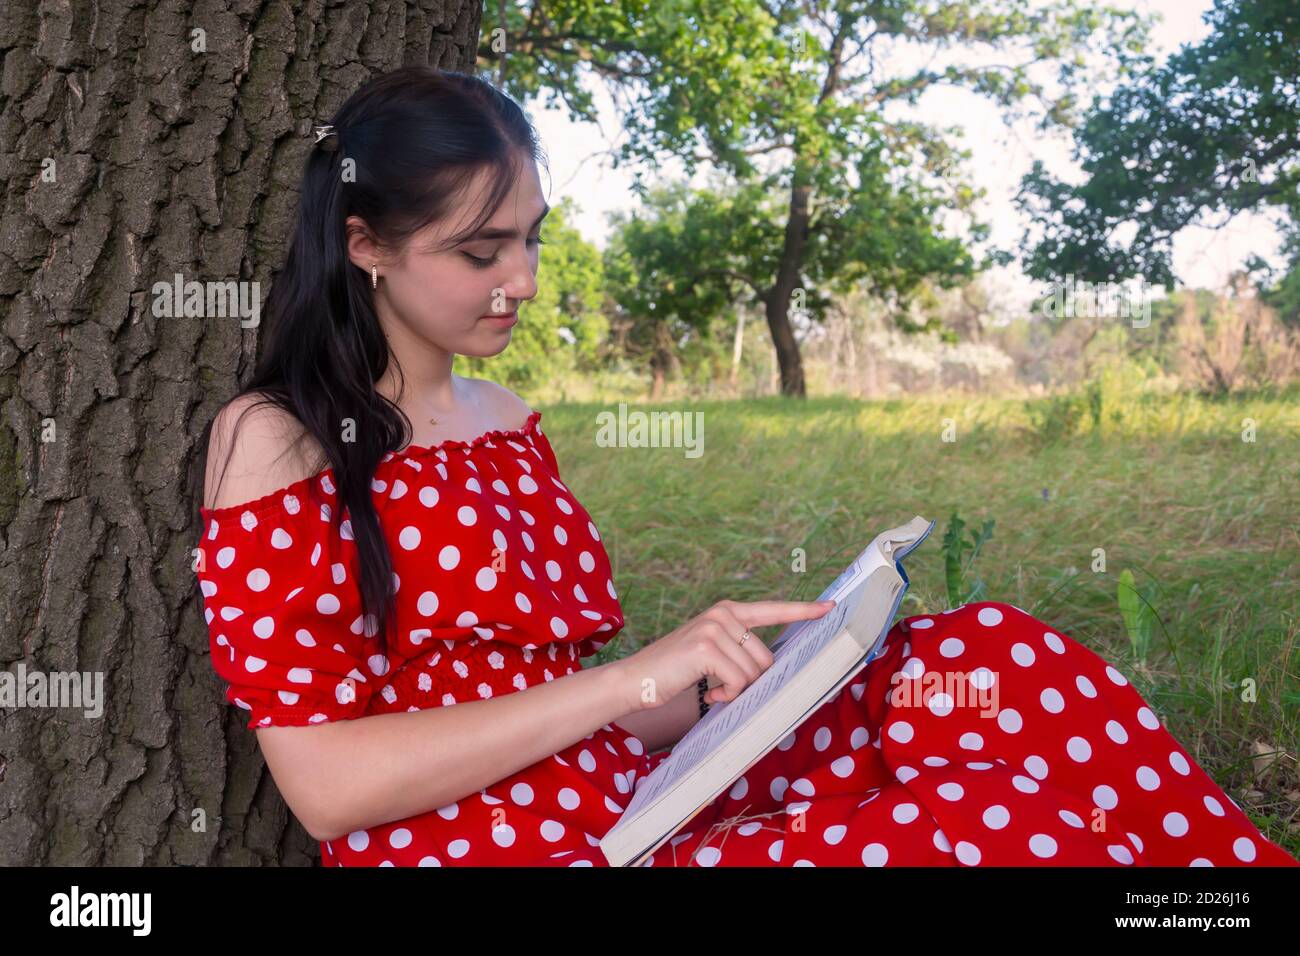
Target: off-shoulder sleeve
283,610
545,450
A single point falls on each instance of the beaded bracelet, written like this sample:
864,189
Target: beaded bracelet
703,685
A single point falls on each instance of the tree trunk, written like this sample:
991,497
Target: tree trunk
777,302
139,142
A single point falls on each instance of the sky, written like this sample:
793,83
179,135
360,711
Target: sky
580,166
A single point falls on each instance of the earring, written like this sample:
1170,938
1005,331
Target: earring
374,276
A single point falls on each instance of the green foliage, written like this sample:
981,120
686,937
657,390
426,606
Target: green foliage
1213,130
1056,417
955,569
845,193
1138,610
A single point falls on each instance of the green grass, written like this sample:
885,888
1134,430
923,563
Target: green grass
1165,484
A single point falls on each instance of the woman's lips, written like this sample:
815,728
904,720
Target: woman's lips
502,318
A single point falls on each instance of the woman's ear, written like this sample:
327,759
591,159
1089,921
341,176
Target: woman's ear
363,250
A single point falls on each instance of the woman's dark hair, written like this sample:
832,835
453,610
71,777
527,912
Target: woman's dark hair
415,139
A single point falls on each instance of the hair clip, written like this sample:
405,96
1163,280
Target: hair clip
322,133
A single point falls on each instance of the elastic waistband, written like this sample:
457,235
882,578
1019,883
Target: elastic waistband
473,670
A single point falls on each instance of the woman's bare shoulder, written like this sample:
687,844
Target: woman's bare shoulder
256,448
508,407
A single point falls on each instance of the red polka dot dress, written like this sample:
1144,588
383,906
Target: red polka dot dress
501,582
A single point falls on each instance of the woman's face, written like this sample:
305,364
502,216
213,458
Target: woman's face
463,299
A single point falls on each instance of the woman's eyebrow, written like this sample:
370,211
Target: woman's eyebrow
508,233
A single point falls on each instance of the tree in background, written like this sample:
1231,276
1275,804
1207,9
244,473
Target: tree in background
790,100
1212,132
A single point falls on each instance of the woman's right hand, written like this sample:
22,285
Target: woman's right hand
708,645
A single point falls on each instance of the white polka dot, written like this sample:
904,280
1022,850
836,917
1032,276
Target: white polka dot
1243,848
921,623
1148,719
1120,853
1105,797
913,668
906,812
503,835
485,579
901,731
1024,784
1116,732
951,792
1010,721
1175,824
559,628
970,741
990,616
409,538
874,854
1213,805
1073,819
981,678
1115,676
1042,846
449,557
1054,643
1200,861
1052,700
969,853
1079,749
1022,654
842,767
952,647
1036,766
327,604
834,834
428,496
940,705
457,848
905,773
1147,778
258,579
996,817
400,838
551,830
466,515
1179,763
527,485
1085,686
264,627
427,603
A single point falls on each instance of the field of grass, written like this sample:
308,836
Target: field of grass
1166,485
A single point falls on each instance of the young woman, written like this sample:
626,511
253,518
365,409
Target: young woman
399,588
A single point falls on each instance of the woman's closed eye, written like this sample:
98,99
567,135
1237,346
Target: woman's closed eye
482,263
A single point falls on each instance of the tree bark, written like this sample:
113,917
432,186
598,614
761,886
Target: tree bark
139,142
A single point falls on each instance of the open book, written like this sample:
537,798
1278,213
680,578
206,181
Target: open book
814,660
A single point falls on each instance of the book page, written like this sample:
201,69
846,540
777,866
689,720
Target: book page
719,723
848,579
